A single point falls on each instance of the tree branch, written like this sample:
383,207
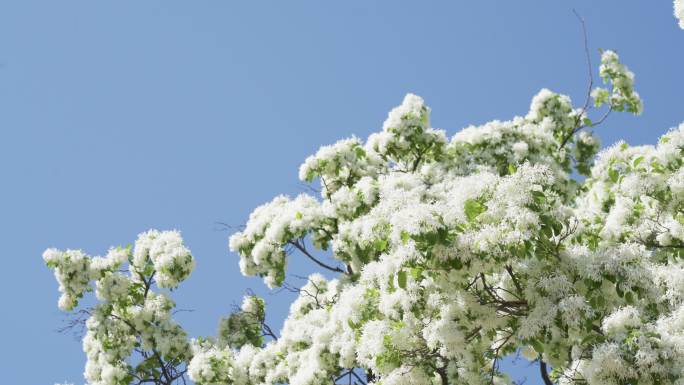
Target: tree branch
578,125
544,372
588,56
443,375
268,331
509,269
301,248
165,373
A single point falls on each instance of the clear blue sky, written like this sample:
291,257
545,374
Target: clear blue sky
120,116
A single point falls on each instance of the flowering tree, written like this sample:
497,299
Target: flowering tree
447,255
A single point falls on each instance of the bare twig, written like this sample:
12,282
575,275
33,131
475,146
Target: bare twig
222,226
76,324
588,56
585,107
308,187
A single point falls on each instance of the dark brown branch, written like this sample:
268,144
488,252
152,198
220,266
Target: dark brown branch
341,376
328,193
165,373
370,376
419,157
443,375
544,372
350,373
489,290
268,331
473,333
353,373
149,283
301,248
294,289
597,329
509,269
497,352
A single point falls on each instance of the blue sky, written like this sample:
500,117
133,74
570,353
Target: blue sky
117,117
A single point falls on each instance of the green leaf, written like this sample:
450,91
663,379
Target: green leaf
613,174
456,263
657,167
629,297
380,244
298,215
416,273
680,218
512,169
638,160
401,279
473,208
405,236
538,196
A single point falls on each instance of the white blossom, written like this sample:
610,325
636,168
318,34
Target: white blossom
443,257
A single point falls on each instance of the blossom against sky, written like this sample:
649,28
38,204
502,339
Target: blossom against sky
120,117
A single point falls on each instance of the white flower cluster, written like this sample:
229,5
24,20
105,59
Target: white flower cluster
622,97
407,138
679,12
74,270
211,366
130,316
169,258
555,106
108,343
634,194
339,165
621,320
273,227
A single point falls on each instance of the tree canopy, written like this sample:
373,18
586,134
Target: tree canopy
446,254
